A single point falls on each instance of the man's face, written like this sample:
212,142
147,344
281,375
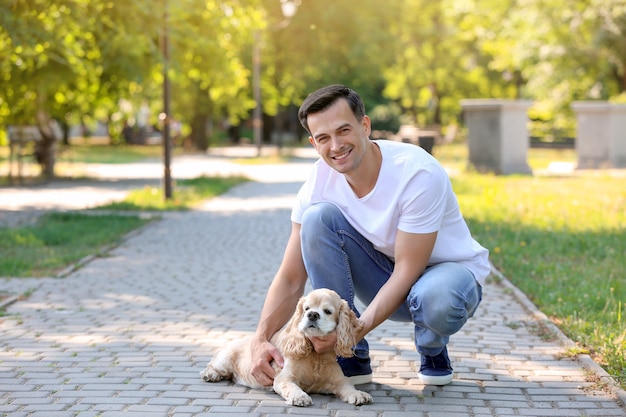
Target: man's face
339,137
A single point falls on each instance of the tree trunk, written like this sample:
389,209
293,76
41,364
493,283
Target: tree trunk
65,128
198,135
437,112
234,134
435,105
45,151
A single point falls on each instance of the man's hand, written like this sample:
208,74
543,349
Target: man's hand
263,353
324,344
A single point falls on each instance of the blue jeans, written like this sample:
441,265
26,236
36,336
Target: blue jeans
338,257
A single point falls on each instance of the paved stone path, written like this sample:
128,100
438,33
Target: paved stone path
128,334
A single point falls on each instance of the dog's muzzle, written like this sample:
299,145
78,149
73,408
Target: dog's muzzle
312,317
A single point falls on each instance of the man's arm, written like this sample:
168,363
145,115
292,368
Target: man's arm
412,252
280,302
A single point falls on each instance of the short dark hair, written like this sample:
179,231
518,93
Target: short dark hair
325,97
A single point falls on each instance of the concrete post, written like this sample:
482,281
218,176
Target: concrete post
600,134
497,135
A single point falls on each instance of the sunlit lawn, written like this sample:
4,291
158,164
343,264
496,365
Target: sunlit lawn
97,153
58,240
119,154
187,193
561,240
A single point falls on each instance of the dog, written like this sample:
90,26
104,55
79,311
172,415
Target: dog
305,371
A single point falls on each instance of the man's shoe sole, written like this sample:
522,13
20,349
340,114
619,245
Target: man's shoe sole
435,380
360,379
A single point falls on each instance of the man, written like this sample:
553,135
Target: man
377,220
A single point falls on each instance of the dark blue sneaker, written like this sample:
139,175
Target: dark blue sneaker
436,370
357,369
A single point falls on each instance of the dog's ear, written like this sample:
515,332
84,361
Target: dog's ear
347,329
293,343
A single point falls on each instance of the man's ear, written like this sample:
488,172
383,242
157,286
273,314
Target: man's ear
312,142
366,122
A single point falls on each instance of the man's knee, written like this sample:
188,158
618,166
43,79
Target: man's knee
446,306
431,304
318,215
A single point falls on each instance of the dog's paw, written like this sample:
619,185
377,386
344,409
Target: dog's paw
359,398
210,375
299,399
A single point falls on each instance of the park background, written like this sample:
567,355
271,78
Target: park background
94,64
87,62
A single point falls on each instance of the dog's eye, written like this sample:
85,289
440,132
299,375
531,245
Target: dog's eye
307,308
328,311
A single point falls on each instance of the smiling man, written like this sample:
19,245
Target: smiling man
376,220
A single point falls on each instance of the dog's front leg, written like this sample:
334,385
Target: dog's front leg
292,393
351,395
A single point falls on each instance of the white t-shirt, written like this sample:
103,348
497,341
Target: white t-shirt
413,193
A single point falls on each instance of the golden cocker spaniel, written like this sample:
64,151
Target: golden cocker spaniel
305,371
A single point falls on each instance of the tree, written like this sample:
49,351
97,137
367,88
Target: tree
78,58
610,37
210,42
439,57
127,35
44,52
70,57
561,54
326,42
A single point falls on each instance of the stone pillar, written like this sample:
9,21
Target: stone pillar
600,134
497,135
617,152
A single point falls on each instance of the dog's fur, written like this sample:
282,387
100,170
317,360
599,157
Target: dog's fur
317,314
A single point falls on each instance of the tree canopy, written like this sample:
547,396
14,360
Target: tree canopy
77,59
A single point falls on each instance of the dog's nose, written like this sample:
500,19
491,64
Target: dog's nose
313,315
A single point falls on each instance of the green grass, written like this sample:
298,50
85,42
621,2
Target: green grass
562,241
186,194
58,240
539,159
95,154
120,154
